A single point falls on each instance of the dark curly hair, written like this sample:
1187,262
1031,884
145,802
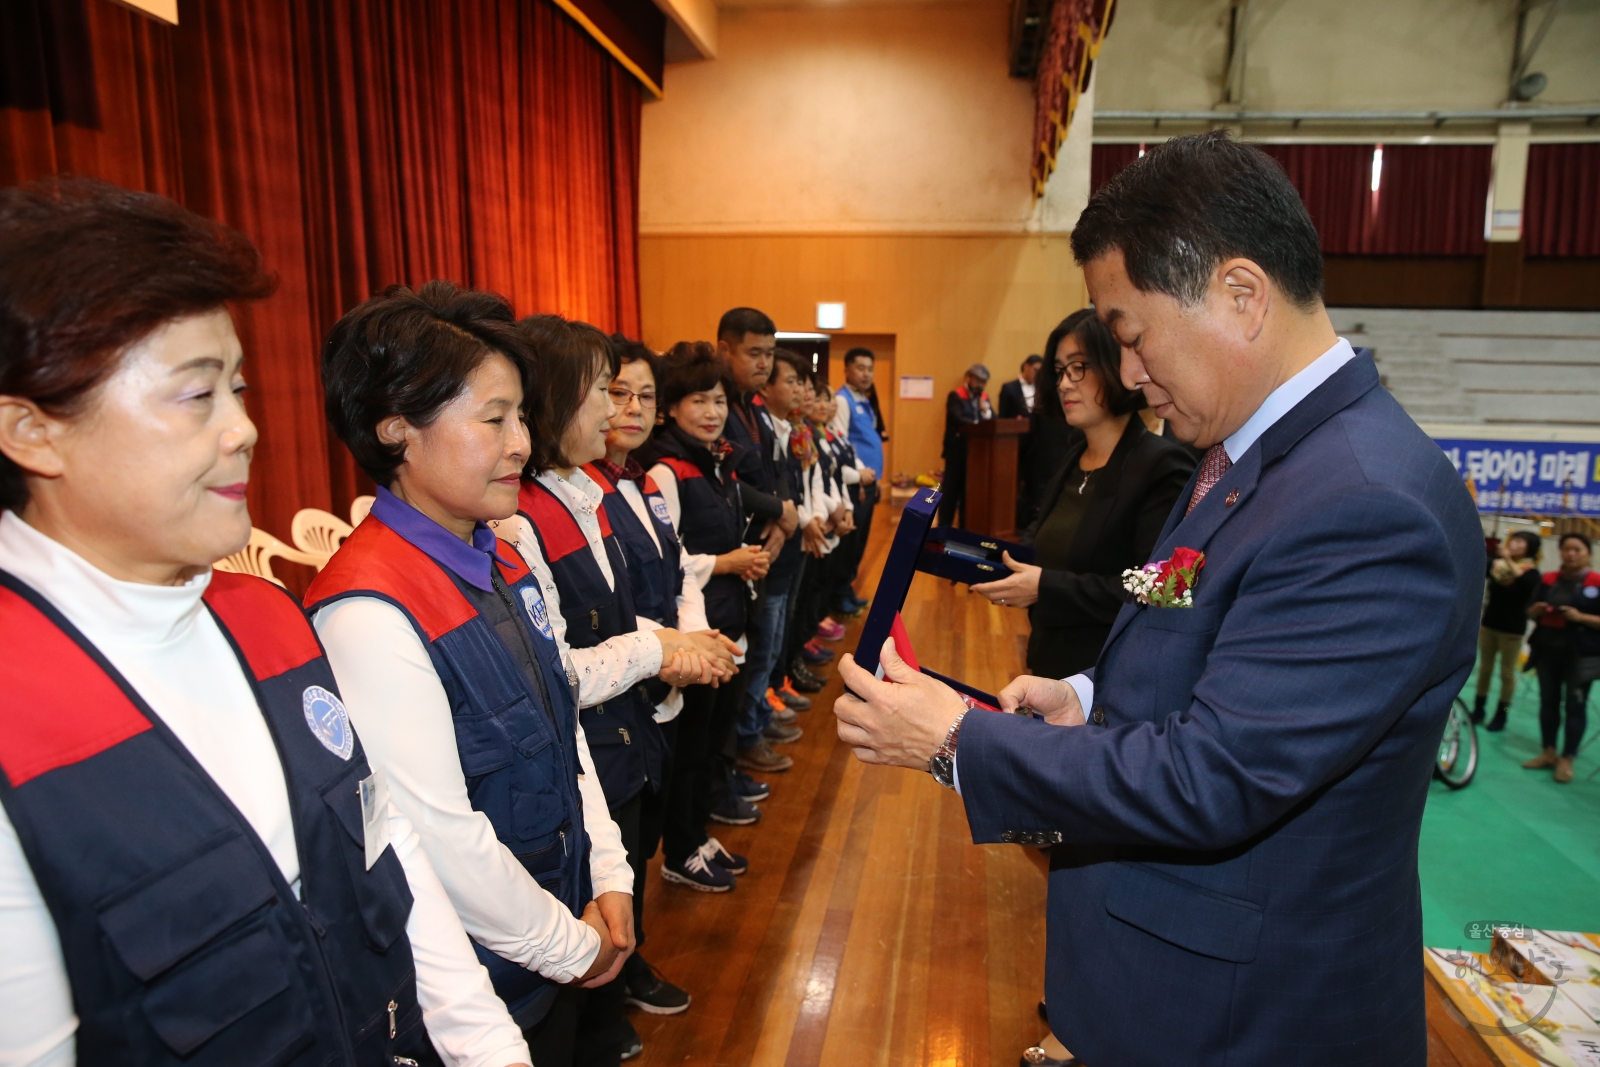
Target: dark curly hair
410,353
691,367
87,270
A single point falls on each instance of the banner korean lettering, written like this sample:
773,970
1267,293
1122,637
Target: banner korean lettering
1531,477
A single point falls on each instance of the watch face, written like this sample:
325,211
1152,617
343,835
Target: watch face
943,769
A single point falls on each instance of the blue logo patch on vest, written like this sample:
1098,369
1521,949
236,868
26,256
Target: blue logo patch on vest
537,611
327,718
1591,591
658,507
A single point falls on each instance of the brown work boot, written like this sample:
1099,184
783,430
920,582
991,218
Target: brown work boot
760,757
1564,770
1545,759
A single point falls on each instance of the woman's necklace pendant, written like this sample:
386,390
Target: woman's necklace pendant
1085,484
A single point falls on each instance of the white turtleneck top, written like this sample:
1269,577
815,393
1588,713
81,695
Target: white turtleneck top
171,650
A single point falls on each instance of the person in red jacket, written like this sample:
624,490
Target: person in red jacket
1566,653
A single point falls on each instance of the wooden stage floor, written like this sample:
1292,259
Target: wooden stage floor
870,931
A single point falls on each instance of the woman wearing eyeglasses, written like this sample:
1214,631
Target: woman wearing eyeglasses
1102,512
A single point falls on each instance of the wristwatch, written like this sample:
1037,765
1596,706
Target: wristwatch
942,764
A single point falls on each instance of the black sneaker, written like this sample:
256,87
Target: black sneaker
698,872
735,810
749,788
632,1043
803,678
731,862
649,992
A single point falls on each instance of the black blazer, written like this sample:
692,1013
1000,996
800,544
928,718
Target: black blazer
1013,405
1129,501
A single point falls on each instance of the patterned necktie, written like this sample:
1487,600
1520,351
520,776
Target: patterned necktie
1212,468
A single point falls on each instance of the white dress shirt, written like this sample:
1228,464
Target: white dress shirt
1029,390
171,650
1277,404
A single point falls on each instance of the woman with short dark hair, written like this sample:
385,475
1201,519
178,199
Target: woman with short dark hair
1102,512
1566,653
442,641
196,862
692,464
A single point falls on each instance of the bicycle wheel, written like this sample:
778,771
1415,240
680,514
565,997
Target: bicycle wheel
1457,761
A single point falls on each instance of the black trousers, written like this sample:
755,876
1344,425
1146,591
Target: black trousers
603,1027
699,776
553,1039
1555,674
954,488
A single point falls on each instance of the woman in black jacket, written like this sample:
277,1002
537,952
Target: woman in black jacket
1100,514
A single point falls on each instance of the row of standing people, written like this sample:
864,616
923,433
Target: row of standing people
406,823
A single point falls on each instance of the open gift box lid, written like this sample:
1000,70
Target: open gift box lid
945,552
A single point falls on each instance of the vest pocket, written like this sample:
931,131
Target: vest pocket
173,933
193,1004
382,893
482,744
170,917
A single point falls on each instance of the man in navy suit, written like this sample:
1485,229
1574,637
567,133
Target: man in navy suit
1234,793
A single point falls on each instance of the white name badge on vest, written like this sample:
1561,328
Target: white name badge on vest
374,814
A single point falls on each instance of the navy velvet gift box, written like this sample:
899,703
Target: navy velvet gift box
944,552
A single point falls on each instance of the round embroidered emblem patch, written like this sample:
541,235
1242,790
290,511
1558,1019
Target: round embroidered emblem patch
537,611
659,508
329,721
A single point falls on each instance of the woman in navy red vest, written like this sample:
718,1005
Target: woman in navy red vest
564,533
692,464
198,865
442,642
665,593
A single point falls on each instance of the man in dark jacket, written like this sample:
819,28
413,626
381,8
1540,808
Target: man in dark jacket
966,406
1233,795
747,342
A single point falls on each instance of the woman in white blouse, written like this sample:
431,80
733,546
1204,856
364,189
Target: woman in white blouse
182,815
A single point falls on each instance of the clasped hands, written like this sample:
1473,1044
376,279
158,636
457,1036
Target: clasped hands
611,916
901,719
704,657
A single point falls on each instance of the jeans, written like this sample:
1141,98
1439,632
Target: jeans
766,645
1555,673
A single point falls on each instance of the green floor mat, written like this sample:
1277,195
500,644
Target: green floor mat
1513,845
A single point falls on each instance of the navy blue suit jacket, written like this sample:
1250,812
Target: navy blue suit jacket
1236,875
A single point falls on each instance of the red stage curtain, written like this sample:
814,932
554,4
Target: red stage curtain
1334,182
1561,207
359,144
1106,162
1431,201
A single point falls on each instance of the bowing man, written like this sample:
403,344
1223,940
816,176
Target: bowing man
186,872
563,531
442,641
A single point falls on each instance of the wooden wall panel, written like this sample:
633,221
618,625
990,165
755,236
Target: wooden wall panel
950,301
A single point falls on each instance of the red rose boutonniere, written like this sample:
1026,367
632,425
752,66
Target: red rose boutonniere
1168,583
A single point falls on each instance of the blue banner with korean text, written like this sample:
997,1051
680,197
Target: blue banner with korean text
1529,477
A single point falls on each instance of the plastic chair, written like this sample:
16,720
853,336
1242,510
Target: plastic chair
318,533
257,556
359,508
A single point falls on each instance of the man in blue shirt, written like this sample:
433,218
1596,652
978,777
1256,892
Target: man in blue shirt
858,416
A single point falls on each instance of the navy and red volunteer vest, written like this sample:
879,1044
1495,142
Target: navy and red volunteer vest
515,720
183,943
711,523
625,743
655,570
